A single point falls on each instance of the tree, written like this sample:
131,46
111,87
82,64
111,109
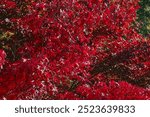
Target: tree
144,17
72,49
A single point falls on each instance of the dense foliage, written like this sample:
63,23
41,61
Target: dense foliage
144,17
72,49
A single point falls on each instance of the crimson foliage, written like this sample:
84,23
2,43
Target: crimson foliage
72,49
